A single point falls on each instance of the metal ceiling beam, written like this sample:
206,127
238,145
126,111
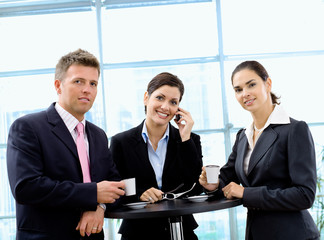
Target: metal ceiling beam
115,4
20,8
36,7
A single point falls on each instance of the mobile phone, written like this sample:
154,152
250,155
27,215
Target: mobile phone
177,117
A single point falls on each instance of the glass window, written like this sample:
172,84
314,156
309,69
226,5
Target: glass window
213,225
317,209
43,39
22,95
254,26
159,32
296,80
8,228
318,136
27,92
7,206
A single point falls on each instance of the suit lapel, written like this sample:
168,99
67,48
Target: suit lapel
263,144
60,130
140,148
239,164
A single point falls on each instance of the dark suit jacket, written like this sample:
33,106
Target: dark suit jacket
46,178
182,165
280,184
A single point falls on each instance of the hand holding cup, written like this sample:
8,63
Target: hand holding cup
209,177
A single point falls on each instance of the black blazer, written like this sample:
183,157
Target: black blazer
182,165
280,184
46,178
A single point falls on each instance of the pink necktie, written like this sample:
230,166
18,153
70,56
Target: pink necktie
82,151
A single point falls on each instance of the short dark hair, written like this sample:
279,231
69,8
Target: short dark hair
259,70
78,57
162,79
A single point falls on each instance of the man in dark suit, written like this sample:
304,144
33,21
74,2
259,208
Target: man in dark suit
53,198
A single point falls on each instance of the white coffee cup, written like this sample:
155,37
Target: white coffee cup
212,172
130,187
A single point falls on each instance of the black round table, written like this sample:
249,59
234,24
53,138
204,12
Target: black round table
174,210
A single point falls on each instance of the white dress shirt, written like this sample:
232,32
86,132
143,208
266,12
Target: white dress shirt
71,122
278,116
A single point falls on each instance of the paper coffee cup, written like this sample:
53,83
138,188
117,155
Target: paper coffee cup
130,187
212,172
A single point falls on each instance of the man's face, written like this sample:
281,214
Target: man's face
78,90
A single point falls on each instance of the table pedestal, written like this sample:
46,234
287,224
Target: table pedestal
176,229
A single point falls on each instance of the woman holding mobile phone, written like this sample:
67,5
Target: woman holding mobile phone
272,167
159,156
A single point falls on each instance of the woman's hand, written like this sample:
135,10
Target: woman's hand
91,222
152,195
203,181
233,190
185,124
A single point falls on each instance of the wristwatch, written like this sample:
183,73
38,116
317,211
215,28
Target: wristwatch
103,206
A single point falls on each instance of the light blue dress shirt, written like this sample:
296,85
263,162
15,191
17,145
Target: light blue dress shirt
157,158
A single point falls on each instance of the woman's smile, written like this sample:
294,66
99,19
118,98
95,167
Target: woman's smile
249,102
162,115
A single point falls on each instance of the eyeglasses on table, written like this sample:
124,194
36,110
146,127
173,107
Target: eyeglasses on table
170,195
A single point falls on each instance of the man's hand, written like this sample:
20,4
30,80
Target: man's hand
108,192
91,222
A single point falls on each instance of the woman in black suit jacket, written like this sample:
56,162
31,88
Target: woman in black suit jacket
159,156
272,167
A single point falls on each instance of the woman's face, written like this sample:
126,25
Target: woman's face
251,91
162,104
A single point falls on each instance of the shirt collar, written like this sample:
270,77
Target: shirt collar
145,134
70,121
278,116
